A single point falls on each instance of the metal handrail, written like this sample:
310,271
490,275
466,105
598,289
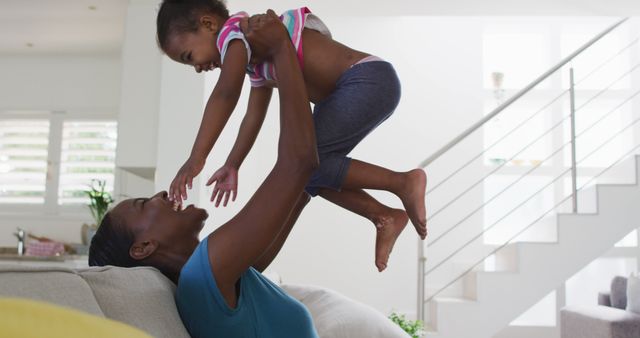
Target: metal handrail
529,171
613,57
560,122
515,97
548,211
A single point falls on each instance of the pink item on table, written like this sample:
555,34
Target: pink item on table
44,248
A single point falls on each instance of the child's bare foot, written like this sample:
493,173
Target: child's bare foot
413,200
388,228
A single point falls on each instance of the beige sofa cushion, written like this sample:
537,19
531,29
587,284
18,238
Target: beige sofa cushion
56,285
141,296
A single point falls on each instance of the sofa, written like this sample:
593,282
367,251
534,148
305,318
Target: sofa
144,298
608,319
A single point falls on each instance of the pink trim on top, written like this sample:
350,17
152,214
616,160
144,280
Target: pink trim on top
369,58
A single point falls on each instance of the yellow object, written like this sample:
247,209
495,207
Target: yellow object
24,318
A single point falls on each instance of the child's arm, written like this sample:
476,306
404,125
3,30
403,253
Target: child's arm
219,107
226,177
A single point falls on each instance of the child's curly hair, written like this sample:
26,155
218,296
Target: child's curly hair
181,16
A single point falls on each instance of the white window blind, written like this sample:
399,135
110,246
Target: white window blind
88,153
23,161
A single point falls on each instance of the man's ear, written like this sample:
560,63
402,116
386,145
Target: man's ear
142,250
209,23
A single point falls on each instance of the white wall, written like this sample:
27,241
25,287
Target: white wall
138,116
140,89
88,84
180,112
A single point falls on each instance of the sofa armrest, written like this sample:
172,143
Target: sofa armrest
604,298
598,322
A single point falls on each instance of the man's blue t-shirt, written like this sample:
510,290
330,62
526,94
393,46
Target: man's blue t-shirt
264,310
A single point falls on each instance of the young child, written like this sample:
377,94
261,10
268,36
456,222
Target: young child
353,93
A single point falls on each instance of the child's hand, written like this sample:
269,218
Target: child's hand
226,179
190,169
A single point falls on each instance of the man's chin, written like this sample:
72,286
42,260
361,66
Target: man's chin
196,216
202,214
205,214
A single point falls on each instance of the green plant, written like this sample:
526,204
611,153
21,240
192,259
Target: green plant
99,200
415,328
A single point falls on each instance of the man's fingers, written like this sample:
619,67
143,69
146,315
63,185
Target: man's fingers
247,24
234,191
244,26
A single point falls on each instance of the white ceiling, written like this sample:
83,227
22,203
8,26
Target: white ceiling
71,27
61,26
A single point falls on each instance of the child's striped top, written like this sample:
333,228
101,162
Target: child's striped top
295,21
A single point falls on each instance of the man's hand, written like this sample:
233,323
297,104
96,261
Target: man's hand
226,179
266,35
184,178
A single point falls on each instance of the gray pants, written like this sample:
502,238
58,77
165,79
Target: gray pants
365,96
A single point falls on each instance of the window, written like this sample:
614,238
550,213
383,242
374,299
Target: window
47,160
23,160
88,152
507,52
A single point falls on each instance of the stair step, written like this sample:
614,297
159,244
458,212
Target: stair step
525,272
457,300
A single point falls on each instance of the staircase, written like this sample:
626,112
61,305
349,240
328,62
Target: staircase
469,285
500,296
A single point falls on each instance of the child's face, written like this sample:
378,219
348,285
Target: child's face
197,49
